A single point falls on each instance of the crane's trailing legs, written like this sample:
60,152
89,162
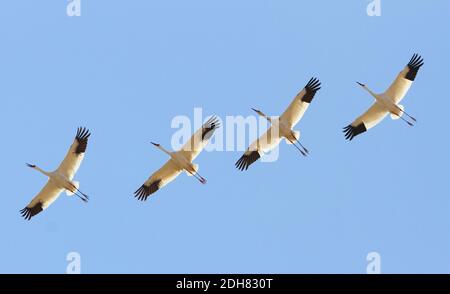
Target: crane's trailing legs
298,148
303,147
198,177
406,114
409,123
402,118
85,200
83,196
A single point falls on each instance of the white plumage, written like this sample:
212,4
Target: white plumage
387,102
282,127
61,179
179,161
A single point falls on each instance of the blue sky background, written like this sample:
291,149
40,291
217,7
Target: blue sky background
126,68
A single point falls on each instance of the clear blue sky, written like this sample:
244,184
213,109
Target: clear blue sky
126,68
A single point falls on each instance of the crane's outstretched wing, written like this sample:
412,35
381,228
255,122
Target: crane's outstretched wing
41,201
369,119
75,155
167,173
298,106
404,80
269,140
198,141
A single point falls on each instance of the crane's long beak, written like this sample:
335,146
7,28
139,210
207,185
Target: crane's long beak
258,112
362,85
30,165
157,145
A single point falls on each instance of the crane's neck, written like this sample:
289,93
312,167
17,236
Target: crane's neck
277,122
269,119
372,93
165,151
41,171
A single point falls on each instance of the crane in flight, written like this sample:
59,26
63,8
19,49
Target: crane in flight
61,179
387,102
281,127
179,161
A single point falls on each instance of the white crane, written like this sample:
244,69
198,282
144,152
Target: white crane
179,161
61,179
281,127
387,102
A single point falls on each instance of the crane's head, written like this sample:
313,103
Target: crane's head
162,148
259,112
361,84
31,165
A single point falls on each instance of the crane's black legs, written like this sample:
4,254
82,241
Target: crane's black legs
202,179
409,123
406,121
198,176
84,197
301,151
304,149
406,113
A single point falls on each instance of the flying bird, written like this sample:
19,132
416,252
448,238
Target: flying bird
387,102
281,127
179,161
61,179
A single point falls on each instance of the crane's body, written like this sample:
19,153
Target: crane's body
61,179
281,127
387,102
286,131
181,160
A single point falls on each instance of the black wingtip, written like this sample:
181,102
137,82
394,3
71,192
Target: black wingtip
311,88
351,132
209,127
82,133
414,65
416,61
145,191
246,160
313,84
28,212
213,122
82,137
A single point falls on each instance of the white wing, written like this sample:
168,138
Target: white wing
198,141
75,155
369,119
269,140
404,80
41,201
167,173
298,106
